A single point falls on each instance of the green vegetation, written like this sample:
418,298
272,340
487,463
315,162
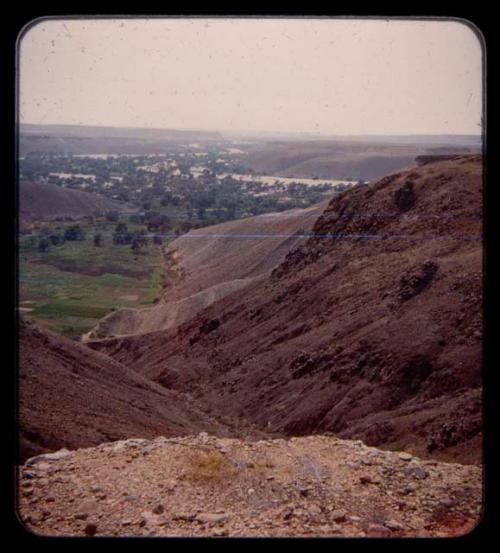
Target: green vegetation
68,287
74,272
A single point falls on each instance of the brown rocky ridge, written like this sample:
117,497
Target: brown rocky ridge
370,329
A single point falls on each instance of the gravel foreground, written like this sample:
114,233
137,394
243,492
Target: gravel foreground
316,486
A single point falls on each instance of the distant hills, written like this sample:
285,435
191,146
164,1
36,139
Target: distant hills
364,158
49,201
76,139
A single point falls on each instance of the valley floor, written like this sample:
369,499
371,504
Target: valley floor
316,486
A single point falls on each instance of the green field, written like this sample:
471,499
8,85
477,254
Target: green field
69,287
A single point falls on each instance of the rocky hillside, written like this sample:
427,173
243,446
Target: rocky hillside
203,486
207,264
49,201
71,396
371,329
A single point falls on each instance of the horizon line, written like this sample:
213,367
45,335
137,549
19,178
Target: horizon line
245,131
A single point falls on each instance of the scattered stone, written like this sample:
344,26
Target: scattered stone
409,488
211,518
126,522
393,525
404,456
304,491
56,456
90,529
378,530
416,471
365,479
184,517
339,516
217,508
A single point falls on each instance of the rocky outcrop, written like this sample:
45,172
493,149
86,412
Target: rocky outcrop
205,486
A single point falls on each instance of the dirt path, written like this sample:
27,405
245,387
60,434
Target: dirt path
207,486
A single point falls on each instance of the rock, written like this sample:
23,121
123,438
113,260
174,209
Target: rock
184,517
304,491
416,471
126,522
404,456
212,518
56,456
314,510
404,197
90,529
81,516
159,509
393,525
338,516
409,488
149,519
378,530
50,499
88,507
365,479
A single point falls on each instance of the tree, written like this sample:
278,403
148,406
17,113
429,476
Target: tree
121,227
43,244
112,216
56,239
74,232
139,241
97,240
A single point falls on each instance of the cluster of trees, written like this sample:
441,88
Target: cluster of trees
56,238
137,239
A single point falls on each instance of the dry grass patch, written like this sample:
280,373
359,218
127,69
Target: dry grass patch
208,467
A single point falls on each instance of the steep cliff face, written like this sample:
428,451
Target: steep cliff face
370,329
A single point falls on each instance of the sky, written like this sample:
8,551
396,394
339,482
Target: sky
326,76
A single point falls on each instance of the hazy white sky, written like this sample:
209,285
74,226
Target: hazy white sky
309,75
